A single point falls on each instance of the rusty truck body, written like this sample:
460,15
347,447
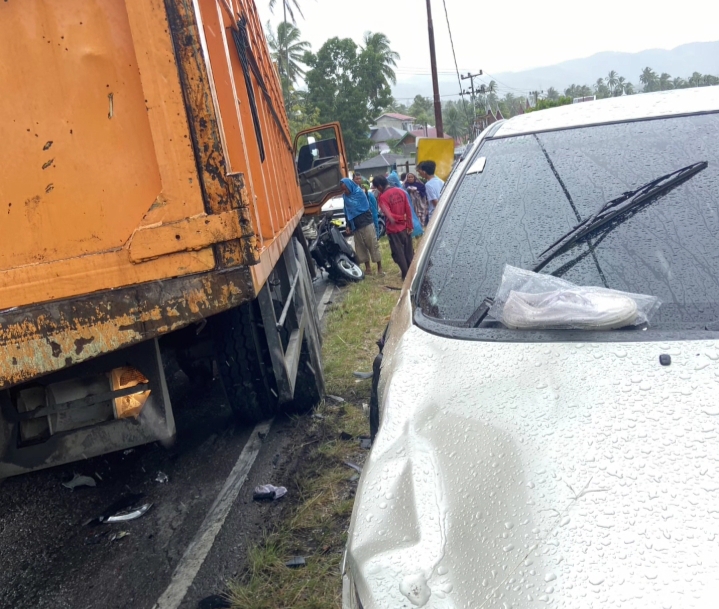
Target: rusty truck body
149,193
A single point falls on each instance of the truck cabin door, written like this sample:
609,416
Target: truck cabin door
321,164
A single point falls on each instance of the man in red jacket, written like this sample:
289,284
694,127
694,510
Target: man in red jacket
394,203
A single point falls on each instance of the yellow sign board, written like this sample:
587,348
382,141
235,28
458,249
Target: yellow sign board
441,151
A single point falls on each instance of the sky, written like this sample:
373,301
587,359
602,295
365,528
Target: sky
506,36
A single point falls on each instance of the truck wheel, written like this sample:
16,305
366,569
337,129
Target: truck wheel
243,360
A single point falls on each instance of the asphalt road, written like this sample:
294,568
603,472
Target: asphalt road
51,558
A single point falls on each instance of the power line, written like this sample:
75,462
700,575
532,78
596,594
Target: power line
456,67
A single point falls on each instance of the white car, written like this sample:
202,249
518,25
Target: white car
555,467
336,206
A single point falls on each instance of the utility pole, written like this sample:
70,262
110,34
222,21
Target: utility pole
471,78
435,81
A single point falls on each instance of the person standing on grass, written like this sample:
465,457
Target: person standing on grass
395,206
361,224
357,179
433,185
418,195
394,180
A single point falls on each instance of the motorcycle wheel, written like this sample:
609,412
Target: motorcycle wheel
382,227
344,270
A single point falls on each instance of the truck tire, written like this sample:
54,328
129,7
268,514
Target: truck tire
243,360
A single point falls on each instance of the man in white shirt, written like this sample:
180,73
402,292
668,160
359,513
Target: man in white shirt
434,185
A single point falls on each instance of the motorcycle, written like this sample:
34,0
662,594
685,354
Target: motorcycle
331,252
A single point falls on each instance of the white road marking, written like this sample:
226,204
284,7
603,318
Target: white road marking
326,295
196,553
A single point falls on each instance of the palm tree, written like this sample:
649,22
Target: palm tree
678,83
287,50
491,100
619,88
665,82
695,80
648,78
611,80
552,94
378,44
628,88
287,7
453,122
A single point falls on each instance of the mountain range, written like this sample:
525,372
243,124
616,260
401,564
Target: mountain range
681,61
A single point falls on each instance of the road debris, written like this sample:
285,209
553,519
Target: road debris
365,443
346,436
128,451
296,562
362,375
161,478
79,480
268,492
119,535
131,515
354,466
216,601
335,398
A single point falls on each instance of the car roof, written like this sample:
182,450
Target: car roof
614,109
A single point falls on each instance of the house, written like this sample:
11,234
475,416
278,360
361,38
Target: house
384,163
408,143
380,137
400,122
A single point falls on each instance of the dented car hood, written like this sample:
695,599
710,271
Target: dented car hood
519,474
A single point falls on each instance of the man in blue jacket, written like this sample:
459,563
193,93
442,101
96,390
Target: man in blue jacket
361,223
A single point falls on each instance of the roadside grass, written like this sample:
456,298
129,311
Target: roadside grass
315,525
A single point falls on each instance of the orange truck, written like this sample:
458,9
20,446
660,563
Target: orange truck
150,202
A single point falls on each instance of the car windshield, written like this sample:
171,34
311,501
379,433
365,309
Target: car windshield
536,187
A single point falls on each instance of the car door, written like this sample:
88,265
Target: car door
321,163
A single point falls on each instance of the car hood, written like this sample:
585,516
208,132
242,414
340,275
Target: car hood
519,474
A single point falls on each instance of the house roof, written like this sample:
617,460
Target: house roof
381,161
431,132
385,134
399,117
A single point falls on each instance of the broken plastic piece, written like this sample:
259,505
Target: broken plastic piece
79,480
365,443
354,466
131,515
296,562
161,477
346,436
363,375
268,492
119,535
335,398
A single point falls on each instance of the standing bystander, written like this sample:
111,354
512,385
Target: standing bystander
433,185
361,223
394,204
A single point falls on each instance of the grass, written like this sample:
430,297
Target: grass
315,525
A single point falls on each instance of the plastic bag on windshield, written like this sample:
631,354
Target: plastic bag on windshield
535,301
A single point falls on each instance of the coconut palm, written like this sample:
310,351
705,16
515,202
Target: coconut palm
619,88
611,80
628,88
287,50
665,81
679,83
648,78
287,9
552,94
378,44
695,80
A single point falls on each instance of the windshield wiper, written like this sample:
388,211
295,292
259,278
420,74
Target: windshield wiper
609,211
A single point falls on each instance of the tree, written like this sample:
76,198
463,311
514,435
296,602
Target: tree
611,80
552,94
665,82
628,88
287,8
695,80
454,122
378,61
648,78
619,87
344,84
287,50
679,83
